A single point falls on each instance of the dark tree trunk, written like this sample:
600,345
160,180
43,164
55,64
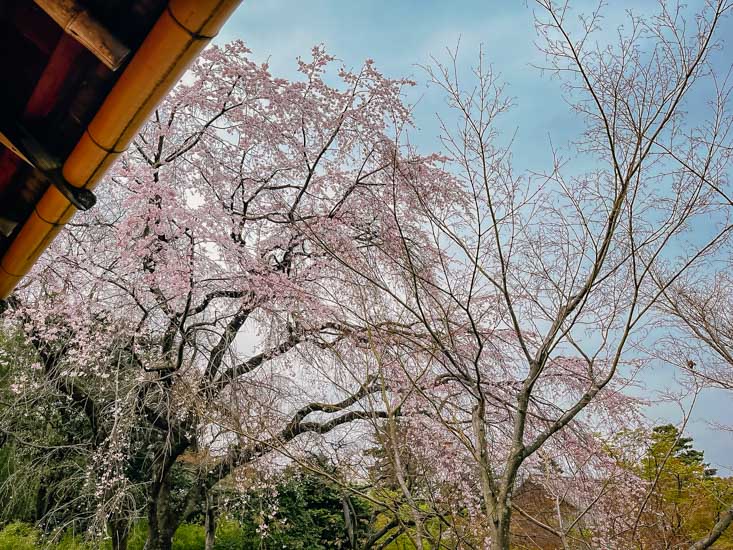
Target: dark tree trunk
119,530
162,517
210,523
160,530
42,499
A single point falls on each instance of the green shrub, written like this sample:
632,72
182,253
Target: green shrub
18,536
71,542
229,535
24,536
189,537
137,537
135,540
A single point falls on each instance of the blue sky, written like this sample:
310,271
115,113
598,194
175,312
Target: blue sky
402,34
399,36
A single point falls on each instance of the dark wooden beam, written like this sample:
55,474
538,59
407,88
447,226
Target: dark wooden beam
76,20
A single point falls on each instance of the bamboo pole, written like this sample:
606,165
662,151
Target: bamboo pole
79,23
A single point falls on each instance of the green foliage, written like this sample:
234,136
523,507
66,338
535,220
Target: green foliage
42,452
18,490
18,536
24,536
21,536
667,438
137,537
229,535
135,540
189,537
71,542
309,513
688,496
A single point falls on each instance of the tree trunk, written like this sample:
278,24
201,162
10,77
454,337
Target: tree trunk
119,531
160,536
42,499
496,506
500,532
119,542
160,541
210,522
162,519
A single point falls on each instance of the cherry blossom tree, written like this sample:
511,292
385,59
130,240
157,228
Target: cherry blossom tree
518,316
190,317
273,264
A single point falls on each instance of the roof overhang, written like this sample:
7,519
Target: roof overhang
93,89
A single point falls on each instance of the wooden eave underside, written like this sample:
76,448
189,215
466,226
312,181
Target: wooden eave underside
53,87
86,75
